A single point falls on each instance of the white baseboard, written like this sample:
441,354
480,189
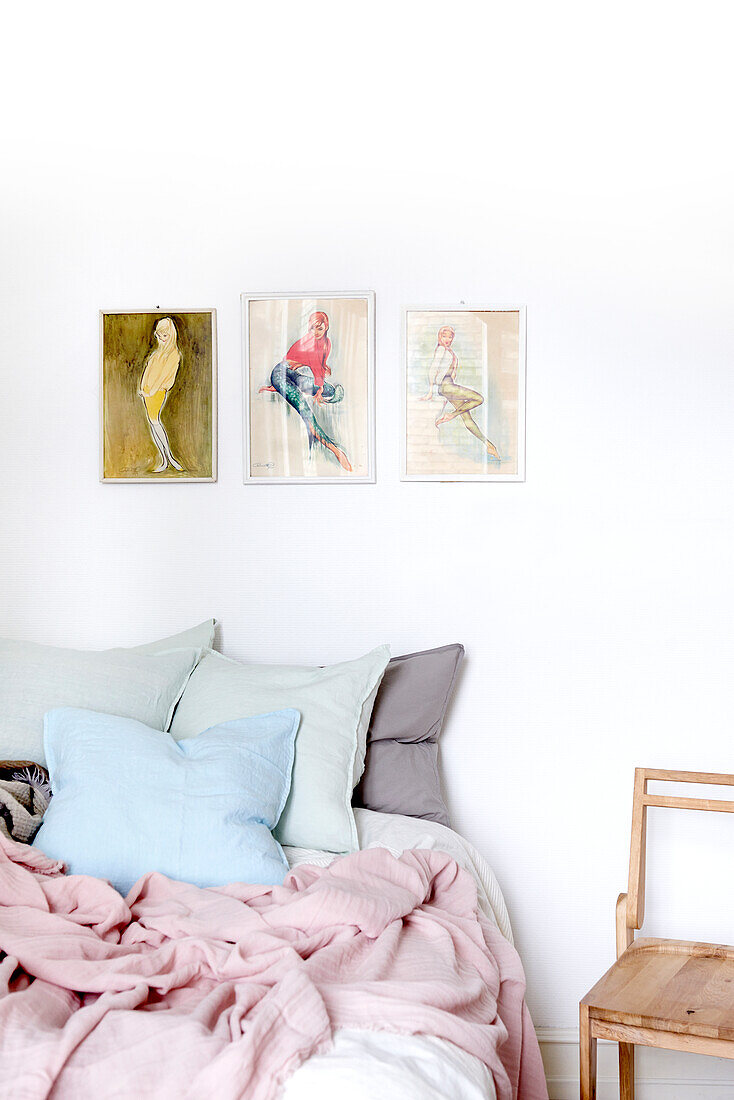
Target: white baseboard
659,1074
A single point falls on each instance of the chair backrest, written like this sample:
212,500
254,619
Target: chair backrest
631,906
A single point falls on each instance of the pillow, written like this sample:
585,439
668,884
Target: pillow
128,799
401,769
197,637
335,705
36,678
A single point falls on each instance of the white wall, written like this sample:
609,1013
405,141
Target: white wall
576,162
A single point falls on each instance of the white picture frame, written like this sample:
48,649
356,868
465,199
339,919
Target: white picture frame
286,418
487,354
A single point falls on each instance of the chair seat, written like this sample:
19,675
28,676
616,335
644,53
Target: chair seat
669,985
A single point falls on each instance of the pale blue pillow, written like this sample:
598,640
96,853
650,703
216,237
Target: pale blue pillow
128,799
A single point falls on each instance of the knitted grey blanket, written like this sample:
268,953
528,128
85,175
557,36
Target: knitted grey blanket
25,793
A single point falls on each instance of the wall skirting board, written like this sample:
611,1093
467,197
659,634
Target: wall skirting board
660,1074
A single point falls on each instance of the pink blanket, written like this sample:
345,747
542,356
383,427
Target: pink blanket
181,992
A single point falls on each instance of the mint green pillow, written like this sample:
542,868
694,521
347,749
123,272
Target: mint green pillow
196,637
38,678
335,704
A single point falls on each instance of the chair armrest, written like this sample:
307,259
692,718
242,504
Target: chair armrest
625,934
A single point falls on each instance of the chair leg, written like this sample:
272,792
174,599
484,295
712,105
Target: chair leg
626,1071
587,1055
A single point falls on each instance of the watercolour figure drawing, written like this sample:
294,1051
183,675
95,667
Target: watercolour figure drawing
300,378
158,378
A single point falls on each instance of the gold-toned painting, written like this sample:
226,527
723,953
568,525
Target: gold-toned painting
159,393
464,394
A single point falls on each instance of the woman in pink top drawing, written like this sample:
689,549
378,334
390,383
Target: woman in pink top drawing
301,379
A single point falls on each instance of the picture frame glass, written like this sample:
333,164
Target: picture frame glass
308,384
158,395
464,394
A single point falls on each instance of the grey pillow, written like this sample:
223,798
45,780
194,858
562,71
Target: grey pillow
401,769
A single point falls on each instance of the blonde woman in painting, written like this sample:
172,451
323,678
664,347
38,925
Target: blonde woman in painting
458,400
156,383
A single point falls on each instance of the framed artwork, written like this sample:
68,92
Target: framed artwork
463,393
158,390
309,367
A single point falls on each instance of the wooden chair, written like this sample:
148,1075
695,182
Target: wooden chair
659,993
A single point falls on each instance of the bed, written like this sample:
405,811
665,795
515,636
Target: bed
207,909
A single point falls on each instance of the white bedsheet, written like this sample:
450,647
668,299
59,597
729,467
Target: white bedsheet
377,1065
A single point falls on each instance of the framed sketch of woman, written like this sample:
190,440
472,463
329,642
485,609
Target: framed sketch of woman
308,387
158,390
463,394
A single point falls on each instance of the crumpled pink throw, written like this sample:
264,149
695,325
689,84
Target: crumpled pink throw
181,992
